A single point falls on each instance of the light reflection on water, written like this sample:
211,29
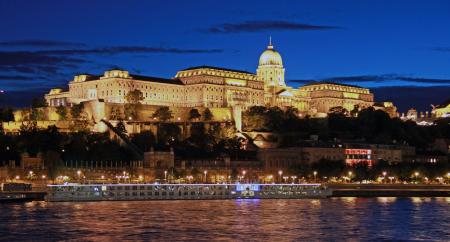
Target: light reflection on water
381,218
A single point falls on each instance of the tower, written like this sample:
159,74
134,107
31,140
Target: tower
270,68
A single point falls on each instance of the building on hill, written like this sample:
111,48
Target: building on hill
387,107
214,87
441,111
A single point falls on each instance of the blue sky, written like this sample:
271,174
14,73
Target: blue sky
396,48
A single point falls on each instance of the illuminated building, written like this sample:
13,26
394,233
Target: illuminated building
214,87
387,107
355,156
442,111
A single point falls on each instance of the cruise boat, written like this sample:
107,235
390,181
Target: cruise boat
118,192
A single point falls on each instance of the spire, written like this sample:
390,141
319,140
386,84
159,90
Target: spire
270,43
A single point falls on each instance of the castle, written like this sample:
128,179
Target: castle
213,87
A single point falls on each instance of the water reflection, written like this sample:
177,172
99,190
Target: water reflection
291,220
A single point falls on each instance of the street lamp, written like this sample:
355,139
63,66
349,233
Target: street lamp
165,176
280,172
384,173
350,173
391,178
243,174
79,175
416,175
206,179
294,178
315,174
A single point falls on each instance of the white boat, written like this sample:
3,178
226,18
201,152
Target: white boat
118,192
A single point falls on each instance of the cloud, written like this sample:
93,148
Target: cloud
386,78
259,26
15,77
441,49
406,97
22,98
14,58
128,50
39,43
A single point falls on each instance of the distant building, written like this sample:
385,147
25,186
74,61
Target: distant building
351,153
387,107
442,111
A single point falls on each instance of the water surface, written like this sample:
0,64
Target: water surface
249,220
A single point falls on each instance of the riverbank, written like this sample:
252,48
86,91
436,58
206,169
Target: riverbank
389,190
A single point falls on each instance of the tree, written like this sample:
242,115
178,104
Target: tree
76,111
37,114
207,115
144,140
194,114
354,112
121,127
255,119
163,114
168,133
339,110
38,103
133,104
62,112
53,163
115,114
6,114
134,97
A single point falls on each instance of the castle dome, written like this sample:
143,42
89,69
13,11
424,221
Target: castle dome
270,56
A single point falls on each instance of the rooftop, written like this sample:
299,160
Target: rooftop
216,68
156,79
333,83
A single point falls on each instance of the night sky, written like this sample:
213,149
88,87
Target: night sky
399,49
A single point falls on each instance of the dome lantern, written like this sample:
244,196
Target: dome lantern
270,56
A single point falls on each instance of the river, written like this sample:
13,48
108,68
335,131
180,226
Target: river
332,219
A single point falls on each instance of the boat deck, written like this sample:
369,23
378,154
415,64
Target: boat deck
113,192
